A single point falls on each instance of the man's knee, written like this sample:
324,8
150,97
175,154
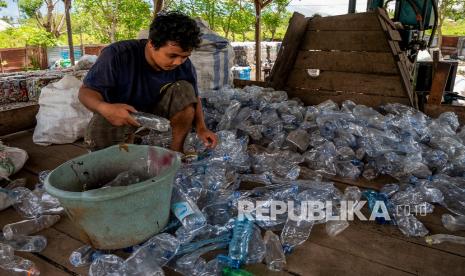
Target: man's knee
176,98
101,134
184,117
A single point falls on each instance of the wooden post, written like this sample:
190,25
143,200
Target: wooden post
352,6
441,74
69,31
259,5
1,62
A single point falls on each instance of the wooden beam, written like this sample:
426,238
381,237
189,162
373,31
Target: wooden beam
435,110
439,83
18,119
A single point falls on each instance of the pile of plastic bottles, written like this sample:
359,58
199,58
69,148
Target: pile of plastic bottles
40,211
290,149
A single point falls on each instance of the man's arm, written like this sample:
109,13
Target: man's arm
199,118
116,114
207,136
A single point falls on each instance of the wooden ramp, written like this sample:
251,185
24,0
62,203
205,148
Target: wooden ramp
358,56
364,248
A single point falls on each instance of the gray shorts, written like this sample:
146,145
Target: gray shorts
174,98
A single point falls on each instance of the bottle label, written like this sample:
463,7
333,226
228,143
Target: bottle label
182,210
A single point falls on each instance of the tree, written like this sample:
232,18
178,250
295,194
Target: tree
243,20
52,22
3,4
454,9
114,20
157,6
276,15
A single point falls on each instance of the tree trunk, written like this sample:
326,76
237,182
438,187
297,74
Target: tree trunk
157,7
69,31
258,62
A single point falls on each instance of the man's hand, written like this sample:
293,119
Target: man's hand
208,137
118,114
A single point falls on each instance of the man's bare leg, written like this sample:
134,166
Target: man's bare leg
181,124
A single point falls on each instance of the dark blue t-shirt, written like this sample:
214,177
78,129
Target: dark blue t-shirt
123,75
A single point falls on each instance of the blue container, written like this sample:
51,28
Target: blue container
244,74
65,54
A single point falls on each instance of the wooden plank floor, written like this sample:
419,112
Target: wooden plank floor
365,248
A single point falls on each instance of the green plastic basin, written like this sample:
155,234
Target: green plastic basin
115,217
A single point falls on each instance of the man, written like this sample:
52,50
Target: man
153,75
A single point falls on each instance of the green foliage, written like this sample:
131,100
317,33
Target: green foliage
274,16
112,20
3,4
26,35
30,7
454,27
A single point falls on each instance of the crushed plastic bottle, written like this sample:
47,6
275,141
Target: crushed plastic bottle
300,138
193,264
26,243
20,182
452,223
7,198
351,196
84,256
152,121
152,255
27,203
193,246
16,264
440,238
274,258
295,232
108,264
125,178
186,210
27,227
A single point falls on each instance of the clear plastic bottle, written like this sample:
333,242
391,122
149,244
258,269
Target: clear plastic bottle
27,203
193,264
351,196
108,264
27,227
125,178
452,223
239,245
295,232
26,243
274,258
6,199
16,264
186,210
152,255
256,250
440,238
152,121
84,256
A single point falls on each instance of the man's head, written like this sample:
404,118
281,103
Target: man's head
172,38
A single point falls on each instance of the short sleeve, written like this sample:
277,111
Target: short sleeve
102,76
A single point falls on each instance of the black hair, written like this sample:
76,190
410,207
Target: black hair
177,27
